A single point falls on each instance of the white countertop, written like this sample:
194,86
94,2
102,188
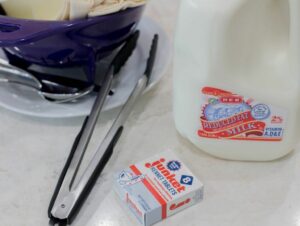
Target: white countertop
33,152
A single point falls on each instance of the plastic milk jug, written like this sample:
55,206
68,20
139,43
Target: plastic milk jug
236,77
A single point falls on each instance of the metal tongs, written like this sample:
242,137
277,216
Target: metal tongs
69,196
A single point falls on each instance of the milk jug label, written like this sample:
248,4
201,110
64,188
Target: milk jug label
225,115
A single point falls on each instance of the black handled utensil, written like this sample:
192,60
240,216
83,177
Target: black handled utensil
59,208
68,197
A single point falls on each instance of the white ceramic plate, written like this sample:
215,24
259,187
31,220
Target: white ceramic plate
28,102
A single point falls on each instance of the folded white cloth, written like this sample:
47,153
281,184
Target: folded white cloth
65,9
91,8
111,6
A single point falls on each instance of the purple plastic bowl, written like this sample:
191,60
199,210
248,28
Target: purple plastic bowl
67,43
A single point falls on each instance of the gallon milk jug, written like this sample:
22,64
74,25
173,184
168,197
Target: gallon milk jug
236,77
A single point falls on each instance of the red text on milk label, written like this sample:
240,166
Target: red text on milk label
225,115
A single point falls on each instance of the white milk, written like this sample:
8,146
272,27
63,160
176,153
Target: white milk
236,77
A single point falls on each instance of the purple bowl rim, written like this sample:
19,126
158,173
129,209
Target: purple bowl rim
58,26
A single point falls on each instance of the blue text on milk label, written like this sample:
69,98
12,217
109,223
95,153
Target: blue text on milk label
158,187
225,115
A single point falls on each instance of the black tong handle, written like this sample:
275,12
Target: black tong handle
152,56
93,179
65,170
125,52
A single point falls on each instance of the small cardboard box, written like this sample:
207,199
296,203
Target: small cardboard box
157,188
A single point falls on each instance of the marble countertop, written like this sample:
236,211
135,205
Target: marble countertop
33,151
